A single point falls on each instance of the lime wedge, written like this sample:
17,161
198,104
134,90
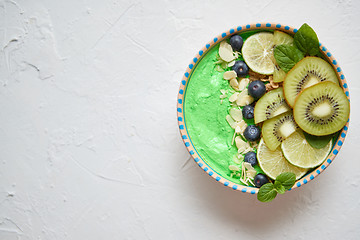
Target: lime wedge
258,53
300,153
273,163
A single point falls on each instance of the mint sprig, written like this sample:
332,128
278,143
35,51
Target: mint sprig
267,192
287,56
318,141
283,182
306,43
306,40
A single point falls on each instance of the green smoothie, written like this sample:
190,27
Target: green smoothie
205,116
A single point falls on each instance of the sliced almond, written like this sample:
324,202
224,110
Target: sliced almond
237,130
248,166
229,75
243,83
234,168
226,52
244,99
242,124
251,173
244,182
219,68
251,182
236,114
238,159
249,149
232,63
234,84
231,121
224,65
233,97
241,144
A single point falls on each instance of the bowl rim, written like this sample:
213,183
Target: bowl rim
182,92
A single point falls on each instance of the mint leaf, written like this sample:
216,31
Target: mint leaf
286,179
266,193
318,141
279,187
287,56
306,40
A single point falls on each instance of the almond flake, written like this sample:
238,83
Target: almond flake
242,124
238,160
236,114
241,144
229,75
223,96
226,52
248,166
244,99
238,130
244,182
251,182
223,65
233,97
234,168
218,68
250,174
234,84
243,83
249,149
232,63
231,121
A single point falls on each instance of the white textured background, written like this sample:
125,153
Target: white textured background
89,144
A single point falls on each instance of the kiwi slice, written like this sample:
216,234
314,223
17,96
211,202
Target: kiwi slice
279,74
305,73
270,105
277,129
281,38
322,109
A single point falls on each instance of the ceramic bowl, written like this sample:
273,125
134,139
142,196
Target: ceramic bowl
182,95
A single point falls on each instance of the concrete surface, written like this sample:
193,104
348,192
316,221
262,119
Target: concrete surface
90,147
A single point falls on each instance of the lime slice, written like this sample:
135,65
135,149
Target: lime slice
273,163
258,53
300,153
282,38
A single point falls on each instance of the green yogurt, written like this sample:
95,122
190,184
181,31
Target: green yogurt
205,115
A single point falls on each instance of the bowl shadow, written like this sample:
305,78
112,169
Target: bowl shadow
243,209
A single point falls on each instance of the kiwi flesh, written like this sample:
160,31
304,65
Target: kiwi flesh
280,38
270,105
307,72
322,109
279,74
277,129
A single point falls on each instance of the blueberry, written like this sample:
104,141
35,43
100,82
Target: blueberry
256,89
240,68
260,179
252,133
236,42
248,112
250,157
